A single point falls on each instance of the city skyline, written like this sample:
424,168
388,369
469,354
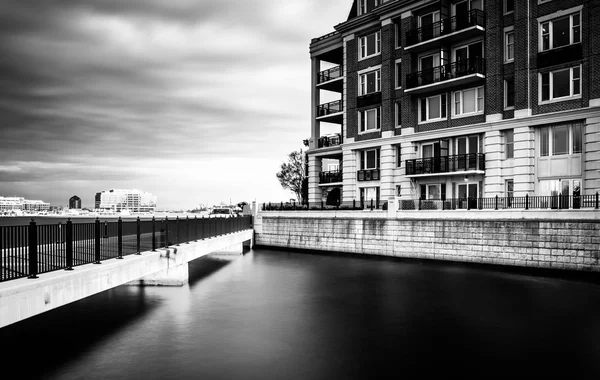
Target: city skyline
195,103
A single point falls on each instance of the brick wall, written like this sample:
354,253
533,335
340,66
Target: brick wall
571,244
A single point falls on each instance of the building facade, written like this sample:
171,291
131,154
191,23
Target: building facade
122,199
74,202
22,204
416,99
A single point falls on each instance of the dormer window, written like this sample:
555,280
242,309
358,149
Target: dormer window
365,6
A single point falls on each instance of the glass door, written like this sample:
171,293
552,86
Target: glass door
427,67
461,12
467,195
430,28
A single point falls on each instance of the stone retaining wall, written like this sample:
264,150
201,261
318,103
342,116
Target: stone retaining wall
569,240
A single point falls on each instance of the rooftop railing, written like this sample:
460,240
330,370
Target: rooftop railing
474,17
329,74
330,108
446,72
446,164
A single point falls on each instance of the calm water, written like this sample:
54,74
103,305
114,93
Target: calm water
280,315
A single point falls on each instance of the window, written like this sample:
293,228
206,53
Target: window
509,6
561,139
369,195
560,84
510,188
369,120
509,45
370,45
398,190
433,191
509,143
561,31
398,156
333,167
398,115
369,159
433,108
509,93
369,82
398,73
398,33
468,101
365,6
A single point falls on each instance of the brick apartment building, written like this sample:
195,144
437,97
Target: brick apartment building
456,99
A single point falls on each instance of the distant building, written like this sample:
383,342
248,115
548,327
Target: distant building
75,202
20,203
121,199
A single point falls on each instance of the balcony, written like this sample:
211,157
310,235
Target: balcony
331,112
331,79
331,140
473,163
368,175
330,177
445,76
461,26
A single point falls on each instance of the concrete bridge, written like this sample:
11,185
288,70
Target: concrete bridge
22,298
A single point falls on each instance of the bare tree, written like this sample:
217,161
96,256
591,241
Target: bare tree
292,175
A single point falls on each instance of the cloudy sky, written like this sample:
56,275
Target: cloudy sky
195,101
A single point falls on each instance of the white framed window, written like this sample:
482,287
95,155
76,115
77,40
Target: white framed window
560,84
509,93
469,101
398,113
333,167
510,188
398,155
561,139
369,82
561,31
509,143
365,6
369,120
509,6
399,73
432,108
432,191
398,191
509,44
370,45
369,159
397,35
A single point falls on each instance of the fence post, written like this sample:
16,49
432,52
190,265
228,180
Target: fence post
33,257
153,234
195,228
69,244
120,238
354,204
166,231
97,242
526,201
419,203
321,204
596,200
60,234
371,204
496,206
138,233
468,203
177,231
187,227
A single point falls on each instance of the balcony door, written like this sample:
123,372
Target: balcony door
467,149
468,192
427,65
466,58
428,27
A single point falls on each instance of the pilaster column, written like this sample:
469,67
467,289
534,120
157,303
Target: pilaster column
493,149
524,169
314,191
591,154
349,168
407,149
386,172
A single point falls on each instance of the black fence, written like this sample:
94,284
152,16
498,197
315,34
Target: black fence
551,202
474,17
458,69
446,164
26,251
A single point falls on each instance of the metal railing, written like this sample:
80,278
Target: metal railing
527,202
446,164
329,108
330,176
27,251
367,175
329,74
332,140
446,72
474,17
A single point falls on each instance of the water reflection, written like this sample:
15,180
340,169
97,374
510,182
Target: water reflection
281,315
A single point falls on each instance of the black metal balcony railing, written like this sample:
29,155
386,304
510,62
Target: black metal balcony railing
446,72
474,17
332,140
329,108
368,175
333,73
448,164
333,176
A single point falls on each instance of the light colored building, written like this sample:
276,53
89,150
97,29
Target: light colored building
123,199
457,99
20,203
